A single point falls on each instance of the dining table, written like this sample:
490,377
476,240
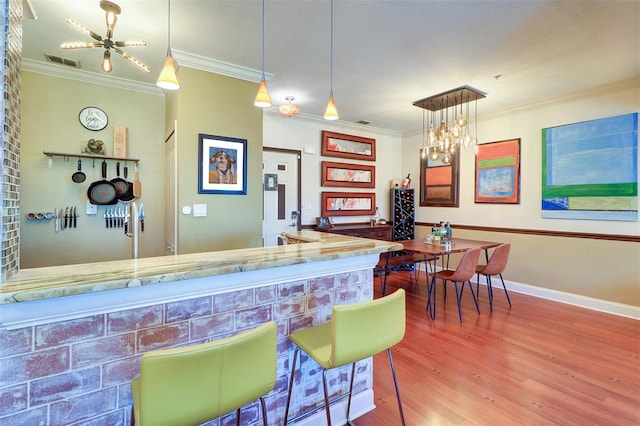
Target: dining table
433,251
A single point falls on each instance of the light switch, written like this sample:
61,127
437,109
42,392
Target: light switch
199,210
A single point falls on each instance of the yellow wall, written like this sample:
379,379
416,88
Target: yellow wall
49,113
222,106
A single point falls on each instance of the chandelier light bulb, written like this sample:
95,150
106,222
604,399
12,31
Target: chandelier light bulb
106,62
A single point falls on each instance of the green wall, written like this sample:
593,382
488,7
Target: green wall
223,106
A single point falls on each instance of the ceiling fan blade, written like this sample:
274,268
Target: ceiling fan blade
133,60
135,43
83,29
81,45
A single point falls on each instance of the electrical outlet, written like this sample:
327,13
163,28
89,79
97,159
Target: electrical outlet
92,208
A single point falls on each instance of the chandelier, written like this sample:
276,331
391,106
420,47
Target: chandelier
289,109
454,128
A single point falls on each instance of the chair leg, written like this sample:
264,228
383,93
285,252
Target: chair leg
238,417
444,291
458,295
475,299
133,418
293,372
505,290
353,375
384,282
327,409
263,406
395,383
490,291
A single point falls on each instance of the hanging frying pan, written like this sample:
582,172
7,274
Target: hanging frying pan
79,176
128,193
118,182
102,192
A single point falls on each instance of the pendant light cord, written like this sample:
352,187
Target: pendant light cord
169,30
263,39
331,73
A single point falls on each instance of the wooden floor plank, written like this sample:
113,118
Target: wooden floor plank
538,363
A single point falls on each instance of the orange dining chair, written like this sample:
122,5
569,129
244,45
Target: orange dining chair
495,266
462,274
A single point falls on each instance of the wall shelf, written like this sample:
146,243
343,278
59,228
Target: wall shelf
51,154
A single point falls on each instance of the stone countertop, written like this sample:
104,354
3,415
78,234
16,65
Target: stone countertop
56,281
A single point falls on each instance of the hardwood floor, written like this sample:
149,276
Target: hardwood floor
538,363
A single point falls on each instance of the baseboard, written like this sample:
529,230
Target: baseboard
361,403
568,298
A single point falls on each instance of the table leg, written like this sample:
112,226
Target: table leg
431,287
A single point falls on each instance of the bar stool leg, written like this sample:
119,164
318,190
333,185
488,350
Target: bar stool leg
395,383
327,409
293,372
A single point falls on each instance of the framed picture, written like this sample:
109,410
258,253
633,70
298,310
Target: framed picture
348,146
270,182
498,172
324,222
222,165
348,203
590,169
439,182
344,174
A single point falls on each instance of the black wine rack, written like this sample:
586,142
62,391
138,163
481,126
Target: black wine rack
403,214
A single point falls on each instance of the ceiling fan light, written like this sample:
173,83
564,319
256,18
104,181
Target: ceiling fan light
263,100
106,64
168,78
331,112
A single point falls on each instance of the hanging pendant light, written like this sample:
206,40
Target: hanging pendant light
263,100
445,140
289,109
168,79
331,112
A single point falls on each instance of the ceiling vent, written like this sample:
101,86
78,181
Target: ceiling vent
62,61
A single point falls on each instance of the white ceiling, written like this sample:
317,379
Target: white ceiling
387,53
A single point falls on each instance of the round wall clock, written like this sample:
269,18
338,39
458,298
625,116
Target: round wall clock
93,118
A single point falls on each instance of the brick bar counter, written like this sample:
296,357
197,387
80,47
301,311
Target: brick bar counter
71,336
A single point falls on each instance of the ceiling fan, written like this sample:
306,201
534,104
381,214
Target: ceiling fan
112,11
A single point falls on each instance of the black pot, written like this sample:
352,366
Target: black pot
79,176
102,192
119,183
128,194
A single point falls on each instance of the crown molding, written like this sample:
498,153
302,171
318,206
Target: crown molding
60,71
218,67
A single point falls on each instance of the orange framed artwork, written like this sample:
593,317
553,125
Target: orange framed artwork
345,174
498,172
439,182
348,203
348,146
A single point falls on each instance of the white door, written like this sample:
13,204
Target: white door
281,194
171,183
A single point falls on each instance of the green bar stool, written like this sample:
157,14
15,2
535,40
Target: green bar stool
356,331
196,384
